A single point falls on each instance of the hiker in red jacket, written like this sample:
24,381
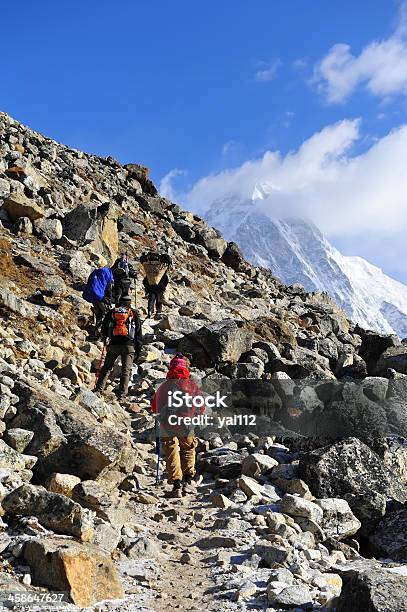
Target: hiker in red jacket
178,440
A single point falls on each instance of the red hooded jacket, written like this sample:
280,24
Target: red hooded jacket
178,372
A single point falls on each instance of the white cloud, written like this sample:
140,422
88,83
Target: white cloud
352,197
381,67
267,71
166,187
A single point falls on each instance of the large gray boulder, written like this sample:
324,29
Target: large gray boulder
395,358
225,463
389,540
69,439
221,342
294,505
351,407
80,224
95,227
373,591
351,470
185,230
373,345
53,510
211,241
233,257
126,225
305,363
83,570
338,519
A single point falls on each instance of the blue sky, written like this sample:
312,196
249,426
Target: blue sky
204,86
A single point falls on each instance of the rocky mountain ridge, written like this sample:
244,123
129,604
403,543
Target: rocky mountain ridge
284,511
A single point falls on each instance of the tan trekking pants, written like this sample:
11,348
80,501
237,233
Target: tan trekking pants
180,457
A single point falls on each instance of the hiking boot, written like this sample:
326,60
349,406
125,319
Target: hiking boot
176,492
189,487
120,395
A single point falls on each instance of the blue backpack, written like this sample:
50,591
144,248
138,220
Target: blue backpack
97,284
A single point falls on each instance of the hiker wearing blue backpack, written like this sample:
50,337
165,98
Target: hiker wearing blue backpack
99,293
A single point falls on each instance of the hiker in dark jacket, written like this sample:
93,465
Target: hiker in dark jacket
154,294
156,279
123,277
121,328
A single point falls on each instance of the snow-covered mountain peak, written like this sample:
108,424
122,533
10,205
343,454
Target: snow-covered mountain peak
298,252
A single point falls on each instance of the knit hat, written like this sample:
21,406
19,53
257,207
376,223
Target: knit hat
178,368
178,360
125,300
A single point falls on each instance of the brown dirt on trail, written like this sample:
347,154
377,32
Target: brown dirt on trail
186,586
23,277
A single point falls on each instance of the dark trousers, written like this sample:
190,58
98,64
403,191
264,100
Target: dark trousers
99,311
113,352
155,297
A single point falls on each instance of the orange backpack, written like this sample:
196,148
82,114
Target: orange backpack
123,322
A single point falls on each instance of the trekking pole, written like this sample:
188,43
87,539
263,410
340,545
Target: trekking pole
157,451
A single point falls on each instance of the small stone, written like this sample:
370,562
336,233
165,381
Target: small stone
18,438
312,554
221,501
298,506
216,542
275,555
62,483
327,580
187,559
256,464
290,597
295,486
245,592
145,548
250,487
145,498
281,575
49,228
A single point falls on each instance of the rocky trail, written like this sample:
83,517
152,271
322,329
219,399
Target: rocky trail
302,509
